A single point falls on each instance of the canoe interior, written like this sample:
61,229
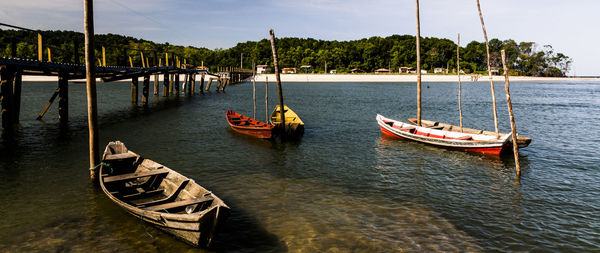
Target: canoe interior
521,140
293,124
249,126
161,196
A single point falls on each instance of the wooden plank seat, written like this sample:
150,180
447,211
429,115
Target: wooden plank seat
177,204
120,156
170,198
435,127
135,175
143,194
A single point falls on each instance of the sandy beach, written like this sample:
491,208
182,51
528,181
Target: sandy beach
371,78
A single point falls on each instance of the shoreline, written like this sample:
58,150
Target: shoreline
368,78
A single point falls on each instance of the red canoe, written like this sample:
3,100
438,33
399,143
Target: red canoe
249,126
463,141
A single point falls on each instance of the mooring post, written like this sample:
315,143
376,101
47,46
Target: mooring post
418,37
219,81
266,99
513,126
145,90
134,90
177,83
16,92
202,83
225,83
63,98
88,20
487,50
166,84
6,81
48,104
279,89
459,83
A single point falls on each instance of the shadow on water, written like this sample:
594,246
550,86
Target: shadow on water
105,227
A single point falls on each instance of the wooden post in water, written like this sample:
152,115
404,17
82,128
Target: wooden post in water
40,51
171,81
487,49
459,83
177,84
142,58
418,65
130,62
16,92
134,90
166,84
210,79
49,55
193,83
88,17
202,83
279,90
155,84
254,95
266,99
63,98
513,126
6,90
145,89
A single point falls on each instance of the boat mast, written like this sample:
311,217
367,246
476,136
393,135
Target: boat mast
487,49
418,66
459,83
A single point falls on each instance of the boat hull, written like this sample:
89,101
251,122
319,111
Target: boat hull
521,140
160,196
440,138
249,126
294,126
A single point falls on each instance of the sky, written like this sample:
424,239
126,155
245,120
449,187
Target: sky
570,27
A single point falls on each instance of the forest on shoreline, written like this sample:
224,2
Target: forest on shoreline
365,55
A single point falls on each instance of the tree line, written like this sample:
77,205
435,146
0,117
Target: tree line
365,55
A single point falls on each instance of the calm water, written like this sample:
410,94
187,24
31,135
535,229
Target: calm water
343,187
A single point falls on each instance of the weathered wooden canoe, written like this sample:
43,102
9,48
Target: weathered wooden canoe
468,142
521,141
161,196
249,126
293,124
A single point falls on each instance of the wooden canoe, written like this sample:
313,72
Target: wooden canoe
161,196
293,124
521,141
463,141
249,126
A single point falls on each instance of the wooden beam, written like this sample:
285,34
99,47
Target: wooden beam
49,55
166,84
103,56
177,84
202,83
156,84
459,82
45,109
40,52
418,64
487,50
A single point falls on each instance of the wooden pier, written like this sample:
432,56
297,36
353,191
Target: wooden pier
13,69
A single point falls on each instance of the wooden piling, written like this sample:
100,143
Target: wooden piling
63,98
155,84
487,50
254,96
459,83
166,84
171,81
279,88
103,57
88,17
513,126
145,89
6,81
219,82
193,84
177,84
418,64
130,62
142,58
49,55
202,83
16,93
134,90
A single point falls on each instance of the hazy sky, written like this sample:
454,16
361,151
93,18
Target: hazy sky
569,26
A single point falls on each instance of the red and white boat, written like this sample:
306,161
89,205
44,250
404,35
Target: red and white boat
463,141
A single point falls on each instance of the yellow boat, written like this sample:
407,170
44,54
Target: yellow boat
293,124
